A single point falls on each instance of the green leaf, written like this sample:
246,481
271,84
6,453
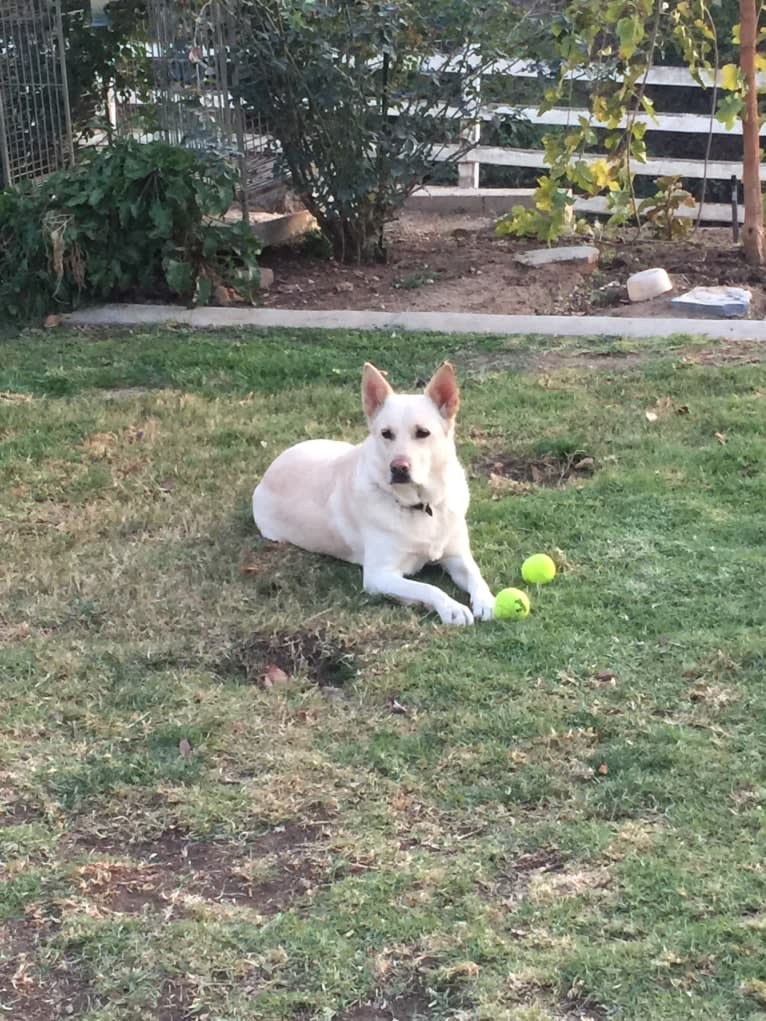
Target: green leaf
729,109
179,276
630,32
162,218
203,290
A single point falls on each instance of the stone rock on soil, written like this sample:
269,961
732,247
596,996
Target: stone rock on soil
569,253
722,301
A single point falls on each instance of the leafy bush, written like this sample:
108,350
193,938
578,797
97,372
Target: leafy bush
131,218
357,106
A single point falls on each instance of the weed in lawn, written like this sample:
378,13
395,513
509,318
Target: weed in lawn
422,279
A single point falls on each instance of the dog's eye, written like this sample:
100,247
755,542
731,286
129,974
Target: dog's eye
420,434
387,434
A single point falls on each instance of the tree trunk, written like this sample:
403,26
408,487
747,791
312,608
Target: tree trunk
752,237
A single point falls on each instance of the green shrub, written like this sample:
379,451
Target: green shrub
358,105
130,219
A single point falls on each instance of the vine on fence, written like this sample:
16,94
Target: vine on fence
616,44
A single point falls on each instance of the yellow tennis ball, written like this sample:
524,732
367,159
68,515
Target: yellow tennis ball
511,604
538,570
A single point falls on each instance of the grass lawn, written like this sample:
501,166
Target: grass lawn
561,818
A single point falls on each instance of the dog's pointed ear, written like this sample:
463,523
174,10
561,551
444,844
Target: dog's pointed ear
444,392
375,389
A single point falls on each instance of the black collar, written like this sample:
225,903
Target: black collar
426,508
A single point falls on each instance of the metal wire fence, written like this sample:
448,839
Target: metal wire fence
35,118
195,103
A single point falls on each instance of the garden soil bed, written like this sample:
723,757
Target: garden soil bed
453,263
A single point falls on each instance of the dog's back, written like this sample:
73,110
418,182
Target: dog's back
297,498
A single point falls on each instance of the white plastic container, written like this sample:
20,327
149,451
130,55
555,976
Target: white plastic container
649,283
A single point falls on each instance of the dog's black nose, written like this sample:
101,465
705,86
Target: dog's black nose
400,471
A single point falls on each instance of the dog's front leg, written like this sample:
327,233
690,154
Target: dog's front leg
383,581
465,572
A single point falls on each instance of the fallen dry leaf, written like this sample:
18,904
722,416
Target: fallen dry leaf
274,675
603,769
665,406
52,321
605,677
501,484
185,749
721,437
7,395
250,564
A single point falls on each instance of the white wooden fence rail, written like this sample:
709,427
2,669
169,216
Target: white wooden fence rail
674,123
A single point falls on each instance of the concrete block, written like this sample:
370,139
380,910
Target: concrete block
722,301
566,253
467,323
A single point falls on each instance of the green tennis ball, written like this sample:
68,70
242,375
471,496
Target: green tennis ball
538,570
511,604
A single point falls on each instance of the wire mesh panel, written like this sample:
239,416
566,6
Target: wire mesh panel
35,122
192,49
189,51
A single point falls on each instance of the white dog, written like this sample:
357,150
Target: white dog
392,504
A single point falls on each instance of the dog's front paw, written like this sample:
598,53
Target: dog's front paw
483,606
453,612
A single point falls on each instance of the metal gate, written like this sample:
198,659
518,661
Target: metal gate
35,117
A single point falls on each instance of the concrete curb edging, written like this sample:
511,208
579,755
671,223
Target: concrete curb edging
418,322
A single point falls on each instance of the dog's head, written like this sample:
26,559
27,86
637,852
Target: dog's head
412,434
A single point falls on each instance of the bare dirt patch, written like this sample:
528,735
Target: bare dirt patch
398,1008
17,815
578,1006
322,657
454,263
34,993
512,473
735,353
266,874
124,888
176,1000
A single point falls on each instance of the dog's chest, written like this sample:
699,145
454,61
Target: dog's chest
425,539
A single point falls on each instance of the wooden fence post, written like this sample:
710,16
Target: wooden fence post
468,171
